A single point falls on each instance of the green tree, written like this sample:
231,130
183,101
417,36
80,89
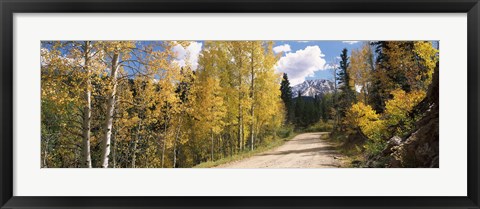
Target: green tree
347,94
286,96
299,110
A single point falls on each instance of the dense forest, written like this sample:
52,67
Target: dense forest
132,104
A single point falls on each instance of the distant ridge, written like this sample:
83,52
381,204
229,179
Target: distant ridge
311,88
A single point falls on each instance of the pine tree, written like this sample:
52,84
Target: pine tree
286,96
406,65
375,97
347,94
299,110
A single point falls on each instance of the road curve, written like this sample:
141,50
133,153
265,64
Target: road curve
308,150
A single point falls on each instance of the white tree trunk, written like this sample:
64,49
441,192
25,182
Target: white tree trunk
45,152
135,142
114,153
252,96
240,125
87,110
87,113
177,135
211,138
110,108
164,138
240,109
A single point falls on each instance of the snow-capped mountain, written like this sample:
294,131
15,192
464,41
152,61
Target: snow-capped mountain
310,88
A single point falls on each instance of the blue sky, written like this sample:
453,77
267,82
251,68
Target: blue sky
301,60
304,59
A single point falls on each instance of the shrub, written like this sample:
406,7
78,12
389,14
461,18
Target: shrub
320,126
285,131
362,117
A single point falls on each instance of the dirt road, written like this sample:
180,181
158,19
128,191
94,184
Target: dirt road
308,150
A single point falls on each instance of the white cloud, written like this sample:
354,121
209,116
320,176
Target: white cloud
330,66
189,55
282,48
350,42
301,64
303,41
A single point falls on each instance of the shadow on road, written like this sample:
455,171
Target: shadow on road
323,150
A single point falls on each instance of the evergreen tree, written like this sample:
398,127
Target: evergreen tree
405,65
299,108
318,107
347,94
308,116
286,96
374,97
325,106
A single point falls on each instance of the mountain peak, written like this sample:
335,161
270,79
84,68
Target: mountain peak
311,88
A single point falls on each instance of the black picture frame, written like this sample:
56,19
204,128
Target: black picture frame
9,7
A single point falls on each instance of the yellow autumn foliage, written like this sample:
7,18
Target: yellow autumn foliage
429,58
366,119
398,108
394,121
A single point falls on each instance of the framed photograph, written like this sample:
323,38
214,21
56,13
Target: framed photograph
240,104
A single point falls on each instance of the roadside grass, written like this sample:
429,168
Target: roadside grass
246,154
351,150
320,126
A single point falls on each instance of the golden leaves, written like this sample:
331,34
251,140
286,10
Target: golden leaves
396,115
364,117
429,58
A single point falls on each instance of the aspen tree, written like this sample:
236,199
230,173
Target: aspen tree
184,93
255,57
210,109
144,86
361,66
91,65
117,51
81,63
268,102
239,59
87,110
168,75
